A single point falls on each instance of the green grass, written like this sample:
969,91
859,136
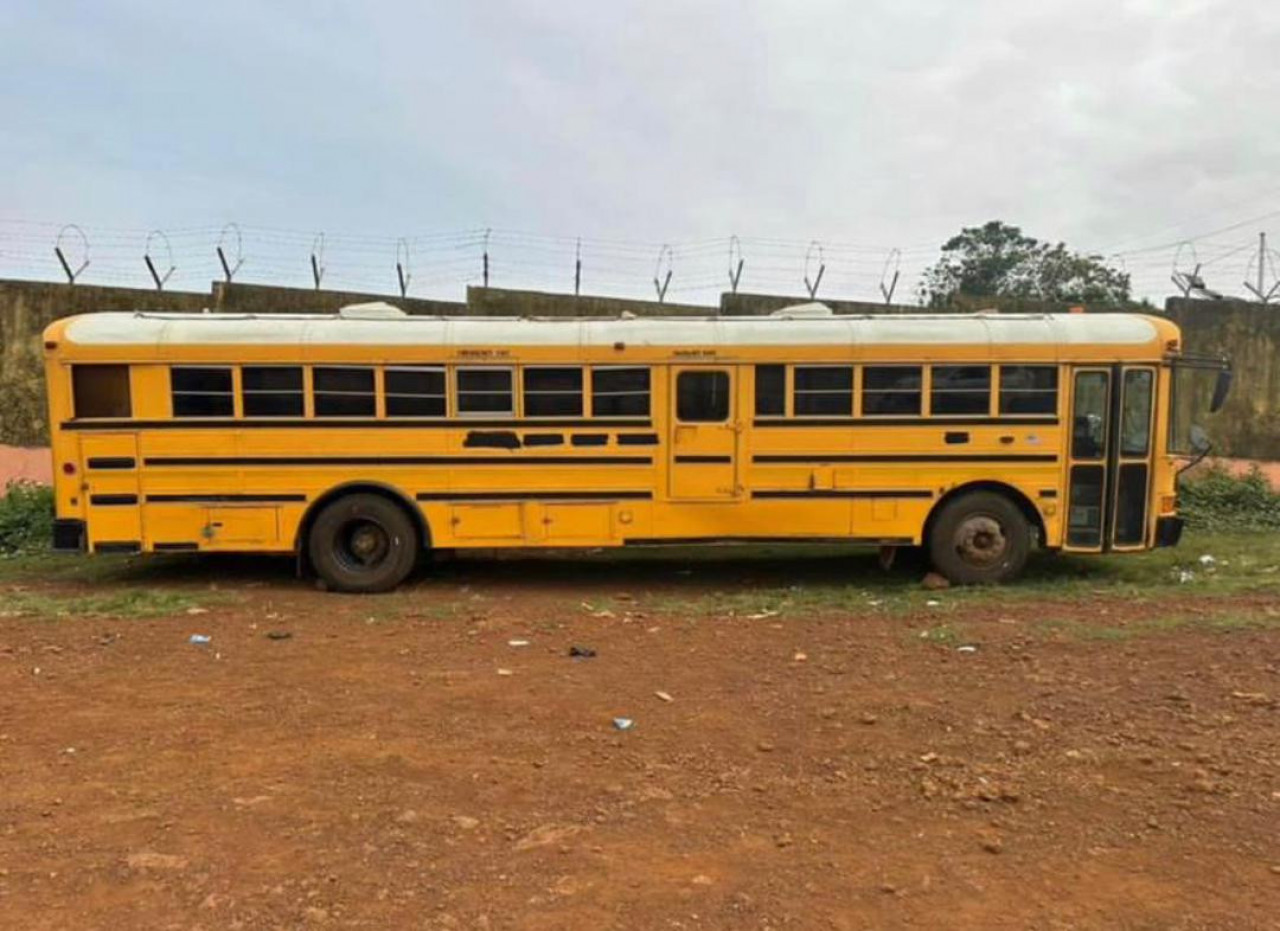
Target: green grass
125,603
1241,563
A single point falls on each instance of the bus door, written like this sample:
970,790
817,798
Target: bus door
109,486
704,434
1109,458
1130,500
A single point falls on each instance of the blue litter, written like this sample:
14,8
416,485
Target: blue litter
623,724
200,638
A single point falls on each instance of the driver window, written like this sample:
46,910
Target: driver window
1089,417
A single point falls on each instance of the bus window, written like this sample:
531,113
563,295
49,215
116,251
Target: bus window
344,392
891,389
1028,389
553,392
771,390
101,391
414,392
620,392
702,397
272,390
1135,414
485,391
823,390
1089,418
960,389
202,392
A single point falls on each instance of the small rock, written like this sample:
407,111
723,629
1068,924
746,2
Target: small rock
935,582
992,845
702,880
465,822
783,840
800,657
197,610
664,696
278,635
505,672
408,816
765,746
868,718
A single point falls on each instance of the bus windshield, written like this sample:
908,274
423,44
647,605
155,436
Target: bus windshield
1199,389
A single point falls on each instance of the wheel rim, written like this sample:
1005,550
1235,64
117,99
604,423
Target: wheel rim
981,541
362,545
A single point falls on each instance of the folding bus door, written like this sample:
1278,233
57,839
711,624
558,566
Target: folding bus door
1088,451
1132,459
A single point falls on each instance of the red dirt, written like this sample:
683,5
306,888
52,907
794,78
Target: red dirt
376,770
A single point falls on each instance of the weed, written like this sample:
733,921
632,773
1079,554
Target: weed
26,518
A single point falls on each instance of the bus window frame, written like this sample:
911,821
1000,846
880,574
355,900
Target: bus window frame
583,370
512,411
384,395
589,390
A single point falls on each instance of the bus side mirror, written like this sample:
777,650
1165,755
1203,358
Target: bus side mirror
1199,439
1220,391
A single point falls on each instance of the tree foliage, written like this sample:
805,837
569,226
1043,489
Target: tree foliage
998,260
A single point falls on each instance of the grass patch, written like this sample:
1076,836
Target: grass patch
127,603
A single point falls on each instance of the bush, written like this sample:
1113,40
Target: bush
26,518
1217,500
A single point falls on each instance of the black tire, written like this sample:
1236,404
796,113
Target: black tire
979,538
362,543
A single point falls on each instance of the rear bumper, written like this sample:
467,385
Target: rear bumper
68,536
1168,530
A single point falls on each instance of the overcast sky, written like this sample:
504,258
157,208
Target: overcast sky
1112,125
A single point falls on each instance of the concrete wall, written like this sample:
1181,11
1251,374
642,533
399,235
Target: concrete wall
1248,426
503,302
265,299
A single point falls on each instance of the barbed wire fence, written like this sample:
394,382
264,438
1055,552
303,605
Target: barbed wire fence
1230,261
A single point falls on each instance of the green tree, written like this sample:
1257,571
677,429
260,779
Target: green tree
999,260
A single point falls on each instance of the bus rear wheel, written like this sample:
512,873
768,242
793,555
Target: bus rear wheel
980,538
362,543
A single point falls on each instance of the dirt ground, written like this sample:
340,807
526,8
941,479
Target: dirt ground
812,747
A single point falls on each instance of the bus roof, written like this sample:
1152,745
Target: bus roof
800,326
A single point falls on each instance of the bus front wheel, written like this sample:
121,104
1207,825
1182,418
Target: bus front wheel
980,538
362,543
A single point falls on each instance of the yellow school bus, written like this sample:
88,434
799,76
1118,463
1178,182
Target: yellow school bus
362,439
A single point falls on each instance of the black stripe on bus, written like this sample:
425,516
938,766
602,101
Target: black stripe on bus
112,462
394,460
118,546
175,547
637,439
213,499
703,459
260,423
112,500
844,493
533,495
1047,421
906,457
1048,493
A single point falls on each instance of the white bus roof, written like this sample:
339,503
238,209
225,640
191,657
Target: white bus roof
804,325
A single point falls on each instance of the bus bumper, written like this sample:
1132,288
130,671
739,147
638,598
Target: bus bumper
1168,531
68,536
